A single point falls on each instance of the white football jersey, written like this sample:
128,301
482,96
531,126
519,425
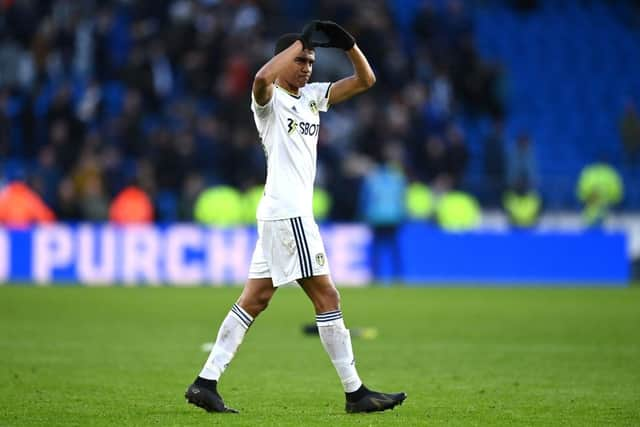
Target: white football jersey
288,126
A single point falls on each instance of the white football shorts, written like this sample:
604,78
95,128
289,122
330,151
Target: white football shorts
287,250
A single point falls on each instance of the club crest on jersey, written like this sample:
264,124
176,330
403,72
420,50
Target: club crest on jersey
320,259
314,107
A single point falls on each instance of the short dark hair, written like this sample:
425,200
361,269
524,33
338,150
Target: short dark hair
285,41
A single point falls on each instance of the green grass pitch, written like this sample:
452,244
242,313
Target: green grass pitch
124,356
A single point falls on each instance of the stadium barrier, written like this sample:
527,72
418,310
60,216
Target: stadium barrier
187,254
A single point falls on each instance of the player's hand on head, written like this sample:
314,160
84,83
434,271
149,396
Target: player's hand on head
338,36
334,35
307,34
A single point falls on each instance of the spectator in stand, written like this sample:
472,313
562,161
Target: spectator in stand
164,154
457,22
138,84
436,167
194,184
522,163
427,25
457,155
67,205
438,108
46,175
5,123
94,203
495,163
129,125
630,133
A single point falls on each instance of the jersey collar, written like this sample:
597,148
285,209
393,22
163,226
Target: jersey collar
288,98
293,95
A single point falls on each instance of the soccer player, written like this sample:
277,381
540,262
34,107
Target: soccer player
289,248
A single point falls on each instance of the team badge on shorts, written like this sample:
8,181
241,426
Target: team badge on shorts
314,107
320,259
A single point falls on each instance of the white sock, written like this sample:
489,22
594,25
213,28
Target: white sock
230,336
336,340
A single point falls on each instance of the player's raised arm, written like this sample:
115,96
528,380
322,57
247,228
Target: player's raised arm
363,77
266,76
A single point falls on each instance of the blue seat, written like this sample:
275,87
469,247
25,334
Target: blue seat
568,85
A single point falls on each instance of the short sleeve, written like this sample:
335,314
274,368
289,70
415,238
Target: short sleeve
320,92
262,113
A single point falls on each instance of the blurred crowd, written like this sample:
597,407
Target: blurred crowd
97,96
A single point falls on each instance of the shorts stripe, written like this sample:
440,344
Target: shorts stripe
306,246
303,265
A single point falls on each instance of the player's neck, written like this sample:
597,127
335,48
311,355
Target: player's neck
282,84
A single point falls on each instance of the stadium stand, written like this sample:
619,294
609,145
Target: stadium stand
96,96
572,67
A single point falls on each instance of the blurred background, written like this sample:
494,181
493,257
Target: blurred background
516,121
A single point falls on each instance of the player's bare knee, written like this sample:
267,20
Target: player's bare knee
253,304
327,300
333,297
